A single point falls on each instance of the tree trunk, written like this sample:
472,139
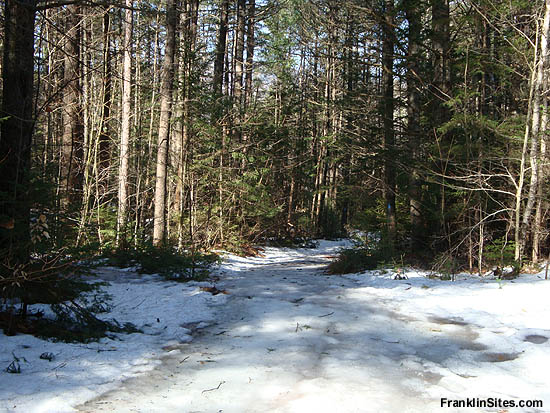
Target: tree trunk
219,62
73,123
537,224
441,69
521,175
166,91
16,128
349,118
250,45
104,137
239,53
387,109
413,14
125,128
440,89
536,132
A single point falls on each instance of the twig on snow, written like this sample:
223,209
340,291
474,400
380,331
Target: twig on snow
326,315
142,301
60,366
215,388
99,350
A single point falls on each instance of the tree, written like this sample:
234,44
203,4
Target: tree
16,128
125,129
386,112
414,111
399,117
73,123
166,93
219,62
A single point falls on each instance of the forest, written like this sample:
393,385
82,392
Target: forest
189,125
274,205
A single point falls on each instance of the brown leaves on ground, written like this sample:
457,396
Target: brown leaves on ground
250,251
7,223
213,290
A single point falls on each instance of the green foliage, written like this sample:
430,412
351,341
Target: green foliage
367,255
297,242
445,266
108,217
352,260
330,224
372,217
45,279
51,289
311,126
74,303
77,323
165,261
500,252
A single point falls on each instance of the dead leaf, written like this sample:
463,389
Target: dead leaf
213,290
9,224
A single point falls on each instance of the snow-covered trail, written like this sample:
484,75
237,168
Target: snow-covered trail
289,338
292,339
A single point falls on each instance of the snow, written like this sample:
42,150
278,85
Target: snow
82,371
290,338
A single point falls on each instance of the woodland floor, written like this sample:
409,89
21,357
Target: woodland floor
287,337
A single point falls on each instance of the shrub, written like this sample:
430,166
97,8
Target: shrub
165,261
500,252
75,323
352,260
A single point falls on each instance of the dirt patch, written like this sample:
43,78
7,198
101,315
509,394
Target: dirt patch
468,345
535,339
445,320
430,377
499,357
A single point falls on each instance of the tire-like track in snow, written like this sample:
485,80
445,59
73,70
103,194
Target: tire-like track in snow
290,338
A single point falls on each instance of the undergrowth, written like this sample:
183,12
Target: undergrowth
352,260
76,323
73,320
369,253
297,242
74,301
166,262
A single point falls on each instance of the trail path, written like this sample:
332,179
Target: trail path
292,339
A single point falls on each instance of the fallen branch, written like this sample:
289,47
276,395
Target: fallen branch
215,388
99,350
326,315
